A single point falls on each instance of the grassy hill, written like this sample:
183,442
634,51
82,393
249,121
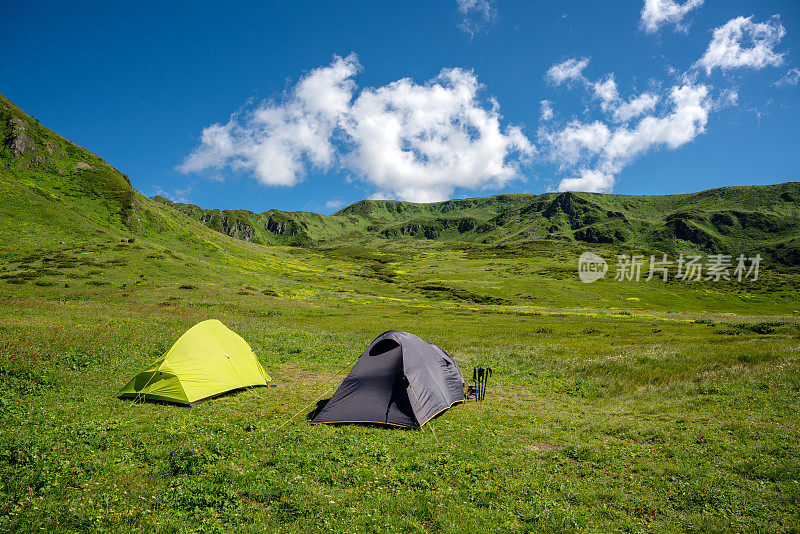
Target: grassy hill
635,406
730,220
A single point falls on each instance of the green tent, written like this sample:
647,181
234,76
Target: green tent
207,360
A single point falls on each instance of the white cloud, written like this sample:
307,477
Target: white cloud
546,110
420,142
656,13
476,15
620,110
686,119
216,147
590,153
277,141
566,71
334,204
792,77
414,142
727,98
597,152
606,91
590,180
635,107
178,195
576,141
740,42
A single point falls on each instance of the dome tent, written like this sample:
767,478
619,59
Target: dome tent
207,360
400,380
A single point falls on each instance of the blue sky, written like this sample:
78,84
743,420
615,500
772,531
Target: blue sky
314,105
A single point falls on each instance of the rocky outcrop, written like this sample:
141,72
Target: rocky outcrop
431,228
594,234
281,227
223,223
685,226
17,140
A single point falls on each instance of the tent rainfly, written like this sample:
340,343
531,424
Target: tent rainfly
207,360
400,380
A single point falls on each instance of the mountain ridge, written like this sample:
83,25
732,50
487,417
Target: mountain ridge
737,219
52,188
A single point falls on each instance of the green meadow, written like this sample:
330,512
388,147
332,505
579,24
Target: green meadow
644,406
615,406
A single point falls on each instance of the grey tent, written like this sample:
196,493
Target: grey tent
400,380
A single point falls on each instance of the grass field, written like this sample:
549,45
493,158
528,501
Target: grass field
614,406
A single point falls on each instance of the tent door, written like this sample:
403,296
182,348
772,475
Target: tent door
399,409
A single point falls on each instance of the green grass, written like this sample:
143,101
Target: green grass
678,413
615,406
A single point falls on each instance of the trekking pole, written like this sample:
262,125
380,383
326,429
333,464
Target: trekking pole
485,380
475,382
480,383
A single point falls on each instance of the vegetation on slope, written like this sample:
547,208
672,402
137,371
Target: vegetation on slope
731,220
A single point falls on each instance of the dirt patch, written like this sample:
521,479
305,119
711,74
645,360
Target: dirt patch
547,447
293,373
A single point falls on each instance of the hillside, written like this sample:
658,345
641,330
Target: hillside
57,196
56,193
733,220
